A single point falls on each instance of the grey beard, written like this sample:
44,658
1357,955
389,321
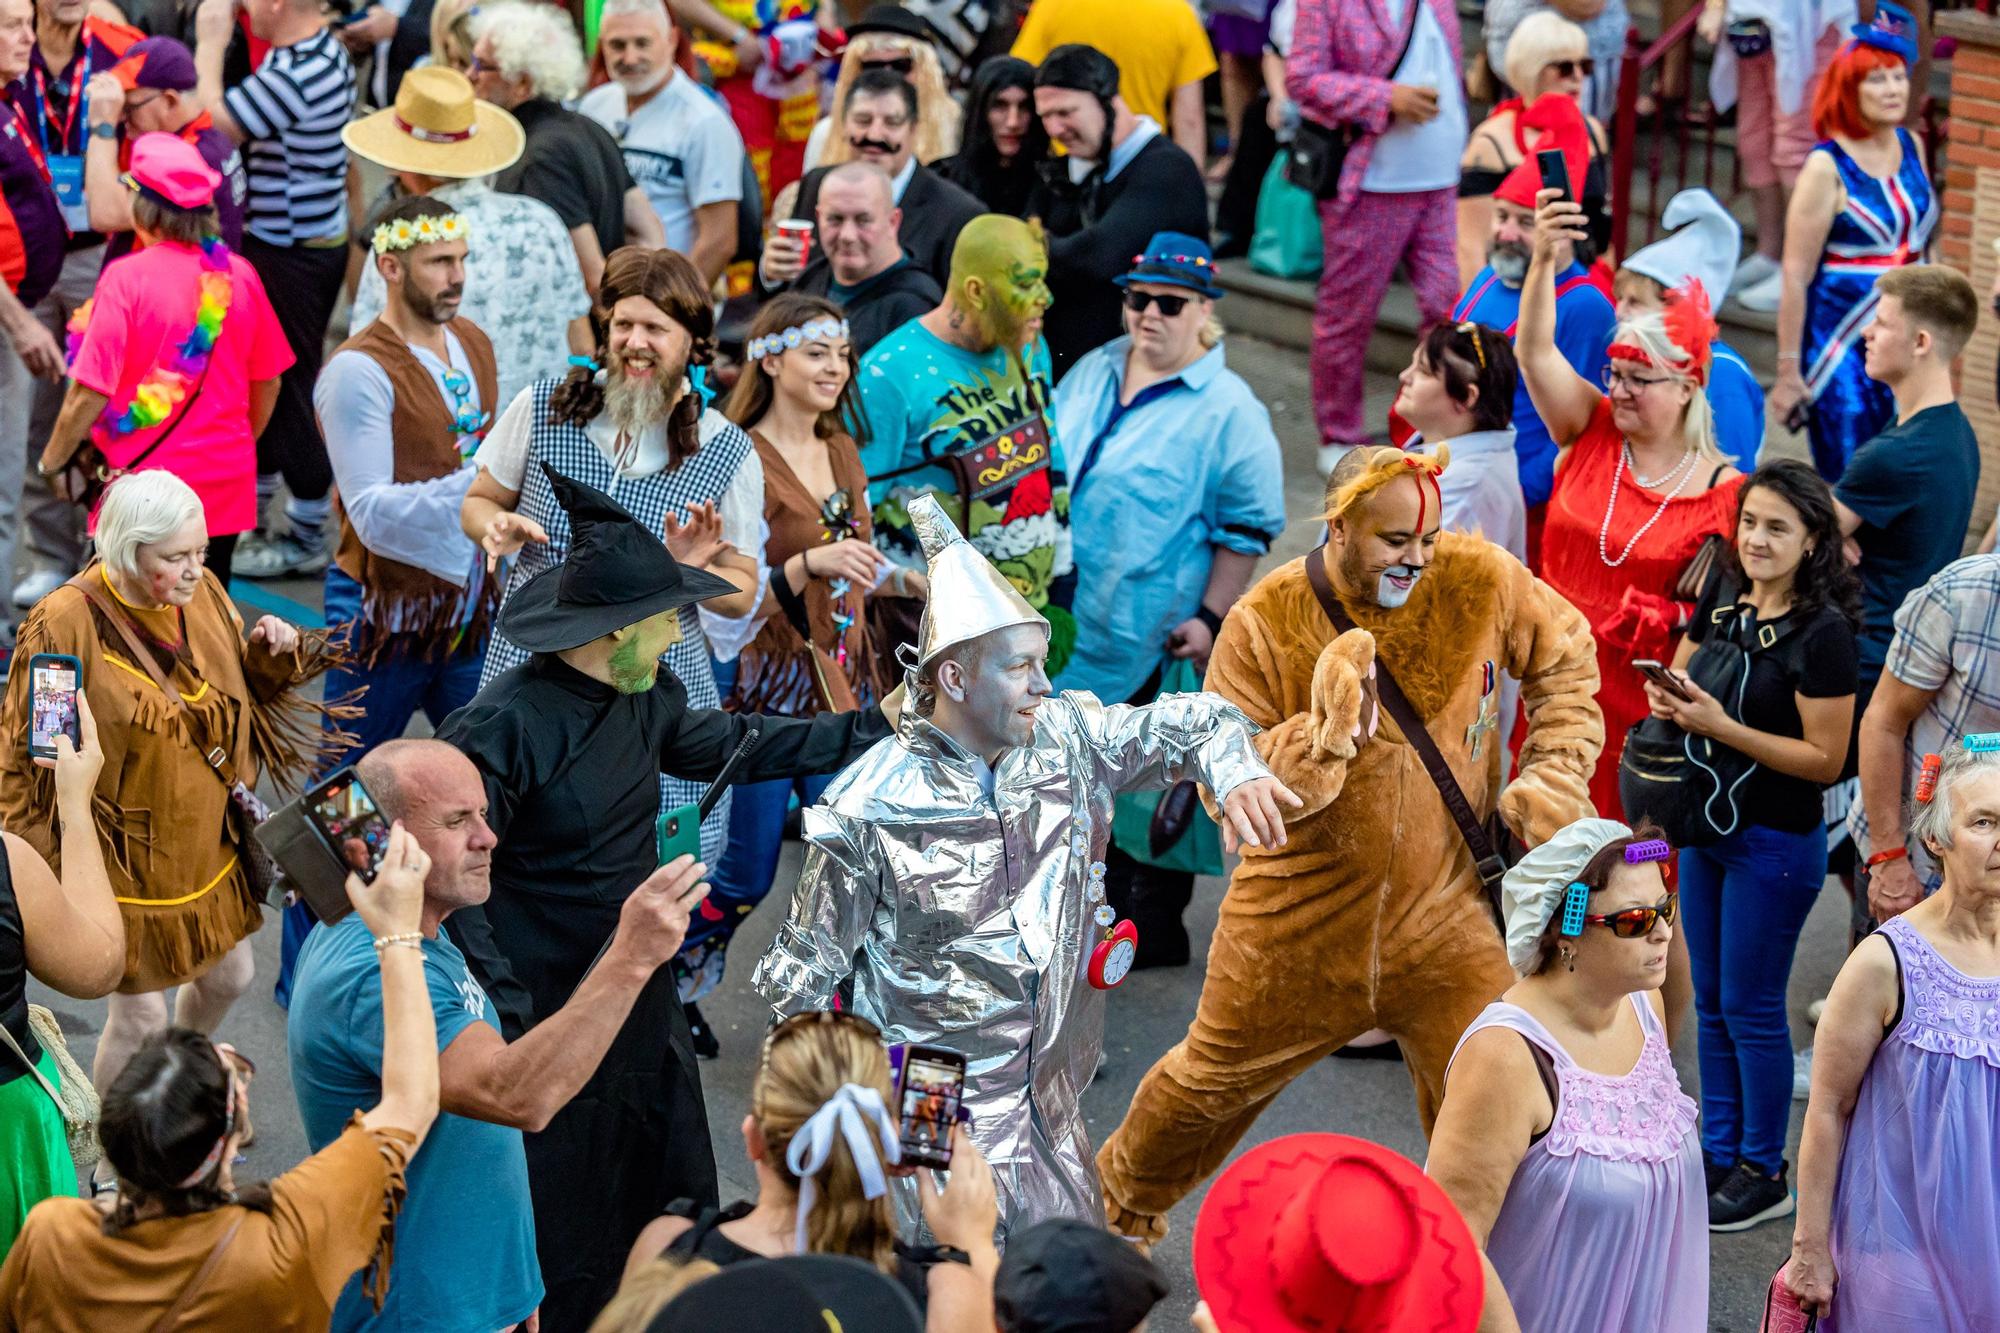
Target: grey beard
635,408
1508,265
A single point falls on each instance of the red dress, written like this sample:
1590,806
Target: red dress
1572,566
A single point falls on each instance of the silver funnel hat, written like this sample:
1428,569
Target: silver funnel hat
969,597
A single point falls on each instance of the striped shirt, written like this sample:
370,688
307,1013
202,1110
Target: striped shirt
292,111
1947,644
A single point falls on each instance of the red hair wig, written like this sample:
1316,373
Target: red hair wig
1836,107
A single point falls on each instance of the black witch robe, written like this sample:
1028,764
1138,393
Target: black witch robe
571,772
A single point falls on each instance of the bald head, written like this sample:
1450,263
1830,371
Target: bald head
438,796
859,224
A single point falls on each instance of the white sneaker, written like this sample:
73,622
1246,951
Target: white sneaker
1802,1074
37,586
1763,295
1814,1010
1754,270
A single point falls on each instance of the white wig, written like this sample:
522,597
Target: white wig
1540,40
139,509
537,40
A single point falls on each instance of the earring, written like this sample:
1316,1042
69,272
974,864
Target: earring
1568,956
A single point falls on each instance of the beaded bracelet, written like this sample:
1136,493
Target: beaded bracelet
412,939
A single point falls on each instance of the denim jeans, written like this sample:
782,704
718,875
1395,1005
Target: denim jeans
401,681
1743,902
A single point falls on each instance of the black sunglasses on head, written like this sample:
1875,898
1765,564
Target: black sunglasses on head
1170,306
903,65
1570,68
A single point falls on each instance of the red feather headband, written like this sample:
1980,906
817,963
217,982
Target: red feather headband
1690,327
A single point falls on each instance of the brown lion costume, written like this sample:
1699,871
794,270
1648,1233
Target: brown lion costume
1371,915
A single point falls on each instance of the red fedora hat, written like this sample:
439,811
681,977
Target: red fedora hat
1323,1232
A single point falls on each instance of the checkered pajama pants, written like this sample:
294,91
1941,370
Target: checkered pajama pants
1363,241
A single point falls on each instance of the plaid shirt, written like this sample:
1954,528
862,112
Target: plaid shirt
1947,644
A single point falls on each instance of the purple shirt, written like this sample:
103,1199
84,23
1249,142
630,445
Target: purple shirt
32,234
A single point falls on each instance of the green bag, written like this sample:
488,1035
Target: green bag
1286,242
1199,848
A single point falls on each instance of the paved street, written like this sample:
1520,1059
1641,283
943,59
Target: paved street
1146,1016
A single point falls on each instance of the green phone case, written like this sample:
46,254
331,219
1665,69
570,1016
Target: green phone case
678,833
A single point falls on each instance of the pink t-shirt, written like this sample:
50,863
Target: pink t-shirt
144,309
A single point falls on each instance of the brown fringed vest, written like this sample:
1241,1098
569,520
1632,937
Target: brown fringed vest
413,600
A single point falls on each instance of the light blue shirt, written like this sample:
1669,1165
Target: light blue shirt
1189,465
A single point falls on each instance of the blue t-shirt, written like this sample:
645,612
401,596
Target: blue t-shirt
1736,401
1584,321
1912,486
465,1239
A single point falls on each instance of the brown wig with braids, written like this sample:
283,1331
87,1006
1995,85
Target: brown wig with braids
806,1060
670,282
162,1116
751,398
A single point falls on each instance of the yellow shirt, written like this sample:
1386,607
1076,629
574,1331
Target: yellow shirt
1158,45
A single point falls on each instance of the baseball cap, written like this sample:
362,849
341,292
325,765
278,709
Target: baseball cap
156,62
1066,1276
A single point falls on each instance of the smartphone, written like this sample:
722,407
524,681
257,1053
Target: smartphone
346,819
1782,1313
929,1089
1555,172
54,678
1663,678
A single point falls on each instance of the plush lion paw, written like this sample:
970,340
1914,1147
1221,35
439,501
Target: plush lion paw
1338,695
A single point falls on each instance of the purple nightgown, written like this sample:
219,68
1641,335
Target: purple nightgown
1605,1226
1916,1208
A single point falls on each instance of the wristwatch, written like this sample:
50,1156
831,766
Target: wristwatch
104,131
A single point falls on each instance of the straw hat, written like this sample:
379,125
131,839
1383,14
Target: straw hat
438,128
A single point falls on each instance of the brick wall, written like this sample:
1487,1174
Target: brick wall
1971,224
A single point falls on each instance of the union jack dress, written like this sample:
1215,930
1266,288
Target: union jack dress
1884,224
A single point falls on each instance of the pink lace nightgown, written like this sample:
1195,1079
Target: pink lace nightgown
1605,1226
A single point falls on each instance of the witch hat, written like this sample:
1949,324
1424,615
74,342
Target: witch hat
969,597
618,573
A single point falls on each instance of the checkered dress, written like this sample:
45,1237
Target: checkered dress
703,477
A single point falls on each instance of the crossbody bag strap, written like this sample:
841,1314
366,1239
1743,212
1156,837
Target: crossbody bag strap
200,1279
1486,858
132,463
29,1065
215,755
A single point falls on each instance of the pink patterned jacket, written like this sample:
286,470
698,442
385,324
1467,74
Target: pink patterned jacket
1338,71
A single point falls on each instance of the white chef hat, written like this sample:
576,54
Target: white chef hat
969,597
1531,892
1705,245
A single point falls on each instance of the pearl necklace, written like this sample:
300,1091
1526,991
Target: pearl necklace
1687,460
1604,530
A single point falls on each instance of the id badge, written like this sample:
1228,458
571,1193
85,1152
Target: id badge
66,175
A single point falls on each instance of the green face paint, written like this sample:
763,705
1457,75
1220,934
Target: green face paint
632,673
999,271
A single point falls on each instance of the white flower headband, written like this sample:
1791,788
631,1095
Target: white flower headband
813,330
403,234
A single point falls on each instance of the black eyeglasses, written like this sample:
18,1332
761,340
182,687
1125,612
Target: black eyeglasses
1170,306
1637,922
1566,69
903,65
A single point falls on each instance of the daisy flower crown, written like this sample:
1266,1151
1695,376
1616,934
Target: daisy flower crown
407,234
813,330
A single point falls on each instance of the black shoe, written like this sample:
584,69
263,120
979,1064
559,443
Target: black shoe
1716,1173
1748,1197
705,1044
1381,1050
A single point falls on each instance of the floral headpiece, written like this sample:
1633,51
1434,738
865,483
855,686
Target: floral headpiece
1387,465
1690,328
407,234
813,330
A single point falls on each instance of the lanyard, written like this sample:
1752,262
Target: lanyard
1118,411
79,96
27,138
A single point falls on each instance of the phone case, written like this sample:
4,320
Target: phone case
678,833
1782,1314
74,664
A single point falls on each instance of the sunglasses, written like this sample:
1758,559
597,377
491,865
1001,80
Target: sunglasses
903,65
1170,306
1569,69
1637,922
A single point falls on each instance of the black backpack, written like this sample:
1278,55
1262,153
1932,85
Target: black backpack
1691,786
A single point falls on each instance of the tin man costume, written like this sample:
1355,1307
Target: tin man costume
964,903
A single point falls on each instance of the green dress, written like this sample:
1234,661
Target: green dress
34,1153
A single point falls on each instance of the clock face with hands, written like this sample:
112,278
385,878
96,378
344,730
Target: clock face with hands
1112,959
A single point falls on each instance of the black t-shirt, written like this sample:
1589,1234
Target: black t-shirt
1912,486
572,164
1816,660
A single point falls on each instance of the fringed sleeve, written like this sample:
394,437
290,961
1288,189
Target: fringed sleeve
289,738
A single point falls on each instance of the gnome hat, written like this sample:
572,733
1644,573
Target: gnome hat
969,597
619,572
1562,123
1704,245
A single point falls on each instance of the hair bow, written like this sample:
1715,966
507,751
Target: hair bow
847,1113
